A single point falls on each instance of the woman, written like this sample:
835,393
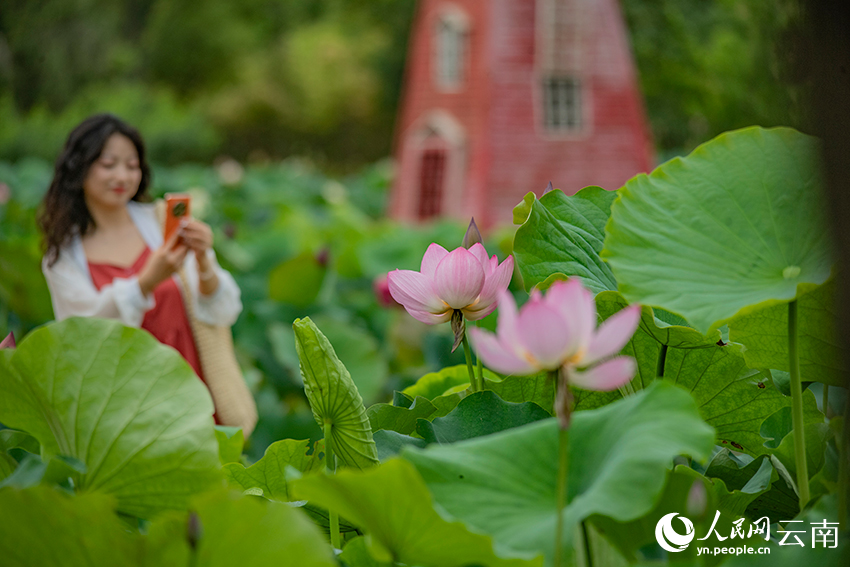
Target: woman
105,255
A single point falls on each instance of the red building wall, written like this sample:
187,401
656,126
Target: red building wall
468,106
505,150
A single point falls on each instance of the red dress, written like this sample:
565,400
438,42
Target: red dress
167,321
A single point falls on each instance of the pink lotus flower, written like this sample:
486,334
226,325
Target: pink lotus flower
463,280
558,332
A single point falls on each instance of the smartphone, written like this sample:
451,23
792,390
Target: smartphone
176,208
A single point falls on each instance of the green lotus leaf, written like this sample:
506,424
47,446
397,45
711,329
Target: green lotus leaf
56,470
817,435
12,439
777,427
446,403
732,228
539,389
230,529
333,397
390,443
7,465
357,349
361,354
673,336
404,528
51,527
733,501
731,397
479,414
764,333
356,554
114,398
268,474
251,531
505,484
523,208
230,443
435,384
564,234
267,477
780,502
400,419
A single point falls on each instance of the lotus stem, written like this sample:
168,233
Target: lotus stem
330,465
563,463
662,360
588,553
843,472
797,407
826,400
563,466
473,383
480,363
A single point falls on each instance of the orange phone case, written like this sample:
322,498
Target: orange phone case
176,208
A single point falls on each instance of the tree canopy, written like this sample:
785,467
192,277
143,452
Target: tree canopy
322,78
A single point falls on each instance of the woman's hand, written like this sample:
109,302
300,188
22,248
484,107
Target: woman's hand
198,237
162,263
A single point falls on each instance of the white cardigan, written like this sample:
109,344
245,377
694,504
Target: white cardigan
73,293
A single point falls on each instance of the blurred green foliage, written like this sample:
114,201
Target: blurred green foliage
299,244
255,78
710,67
322,78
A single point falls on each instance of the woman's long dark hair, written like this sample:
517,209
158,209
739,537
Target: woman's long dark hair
63,211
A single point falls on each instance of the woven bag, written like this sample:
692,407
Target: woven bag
234,404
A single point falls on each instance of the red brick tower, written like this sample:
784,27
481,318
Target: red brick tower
502,96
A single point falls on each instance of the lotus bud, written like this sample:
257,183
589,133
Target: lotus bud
194,530
8,342
697,500
548,188
322,256
472,236
381,287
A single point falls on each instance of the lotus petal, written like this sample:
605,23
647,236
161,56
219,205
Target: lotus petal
497,280
545,334
433,255
577,306
612,335
606,376
501,358
459,278
431,318
414,291
480,253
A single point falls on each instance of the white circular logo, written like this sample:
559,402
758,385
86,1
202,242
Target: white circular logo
669,538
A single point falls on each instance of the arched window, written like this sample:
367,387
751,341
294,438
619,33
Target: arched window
451,41
561,103
563,28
